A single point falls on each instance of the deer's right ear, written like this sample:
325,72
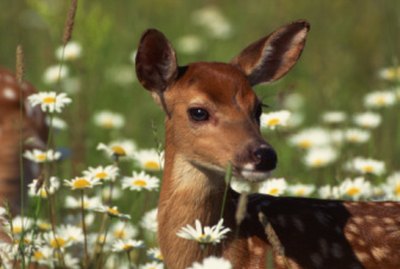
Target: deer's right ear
156,64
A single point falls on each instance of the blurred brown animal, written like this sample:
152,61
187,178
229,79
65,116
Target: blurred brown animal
32,131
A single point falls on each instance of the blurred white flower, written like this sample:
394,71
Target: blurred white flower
149,220
212,263
123,230
55,73
356,136
155,254
329,192
140,181
89,203
367,166
116,192
390,73
367,120
190,44
18,224
240,186
149,159
72,233
301,190
152,265
380,99
334,117
40,156
273,186
42,255
121,75
274,119
109,120
57,123
50,101
319,157
49,187
204,235
105,173
312,137
132,56
112,211
127,245
295,120
81,183
355,188
392,186
337,137
72,51
293,102
57,240
120,148
213,21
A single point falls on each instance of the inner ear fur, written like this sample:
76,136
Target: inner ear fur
271,57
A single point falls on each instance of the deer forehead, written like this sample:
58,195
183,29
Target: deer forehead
216,84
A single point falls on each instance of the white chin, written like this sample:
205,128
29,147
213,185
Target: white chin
254,176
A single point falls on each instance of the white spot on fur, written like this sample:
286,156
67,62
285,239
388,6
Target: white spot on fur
362,256
389,221
352,228
380,253
316,259
370,218
298,224
358,220
9,93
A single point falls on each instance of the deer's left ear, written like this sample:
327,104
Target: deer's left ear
271,57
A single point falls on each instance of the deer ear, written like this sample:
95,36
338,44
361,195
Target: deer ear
271,57
156,64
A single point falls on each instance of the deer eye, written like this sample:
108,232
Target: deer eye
198,114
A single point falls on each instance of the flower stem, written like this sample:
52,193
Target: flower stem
228,178
84,229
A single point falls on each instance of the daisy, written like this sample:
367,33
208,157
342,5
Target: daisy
39,156
149,221
274,119
88,203
18,224
50,101
70,52
149,159
57,240
109,120
42,255
54,74
43,225
301,190
213,21
367,120
109,172
72,233
368,166
390,73
140,181
334,117
312,137
50,188
112,211
81,183
356,136
190,44
392,186
355,188
127,245
152,265
212,263
273,186
121,148
204,235
380,99
123,230
155,254
56,123
319,157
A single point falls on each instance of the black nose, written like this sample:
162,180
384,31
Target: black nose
266,157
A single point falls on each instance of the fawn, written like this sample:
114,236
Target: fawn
12,131
213,121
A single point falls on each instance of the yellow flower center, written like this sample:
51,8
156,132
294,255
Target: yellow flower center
274,191
118,150
108,123
353,191
397,190
17,229
273,122
38,255
41,157
81,183
101,175
317,162
368,169
380,100
57,242
43,192
139,183
300,192
127,247
305,144
44,226
113,211
119,234
49,100
151,165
